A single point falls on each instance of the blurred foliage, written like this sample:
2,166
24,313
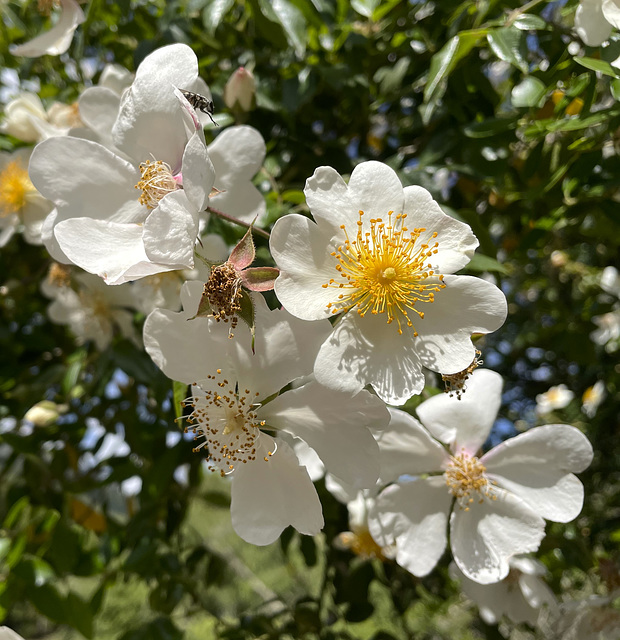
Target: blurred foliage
479,102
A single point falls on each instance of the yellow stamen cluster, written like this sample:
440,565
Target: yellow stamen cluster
464,477
59,275
15,187
223,290
227,420
361,543
385,270
455,382
157,181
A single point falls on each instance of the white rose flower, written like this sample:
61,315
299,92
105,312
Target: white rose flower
231,382
557,397
495,503
22,207
126,219
594,20
381,256
519,596
58,38
93,311
21,117
592,398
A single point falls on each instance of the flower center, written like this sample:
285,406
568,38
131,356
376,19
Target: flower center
385,270
15,187
45,6
157,181
59,275
465,476
223,290
228,422
361,543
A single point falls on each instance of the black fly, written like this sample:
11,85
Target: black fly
200,103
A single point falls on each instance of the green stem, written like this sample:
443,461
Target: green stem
247,225
513,15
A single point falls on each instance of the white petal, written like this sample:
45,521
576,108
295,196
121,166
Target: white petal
302,253
107,249
267,497
335,425
170,231
484,538
611,12
182,348
284,348
9,634
490,599
465,423
537,466
368,350
242,200
58,38
198,173
328,198
415,517
84,178
151,120
467,305
457,242
590,23
375,189
407,448
237,154
99,108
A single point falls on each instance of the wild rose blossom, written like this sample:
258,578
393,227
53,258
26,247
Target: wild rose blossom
125,219
381,257
232,379
495,503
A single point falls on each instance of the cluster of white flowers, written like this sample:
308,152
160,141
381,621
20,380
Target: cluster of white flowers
370,303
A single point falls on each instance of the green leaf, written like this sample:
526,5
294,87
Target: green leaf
293,195
259,278
48,600
508,45
247,313
480,262
490,127
528,21
290,18
528,93
597,65
444,61
391,78
213,13
365,7
76,361
615,88
79,614
179,393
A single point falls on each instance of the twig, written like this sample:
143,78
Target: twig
247,225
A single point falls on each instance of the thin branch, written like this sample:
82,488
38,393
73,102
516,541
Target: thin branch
247,225
513,15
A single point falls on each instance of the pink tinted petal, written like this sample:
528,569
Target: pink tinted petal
198,172
537,466
259,278
465,423
268,496
485,537
242,255
413,515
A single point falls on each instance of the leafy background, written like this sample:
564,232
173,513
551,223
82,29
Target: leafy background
509,120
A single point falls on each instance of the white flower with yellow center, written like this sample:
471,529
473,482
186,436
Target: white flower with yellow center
22,207
238,411
380,257
594,20
520,596
557,397
495,503
128,216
